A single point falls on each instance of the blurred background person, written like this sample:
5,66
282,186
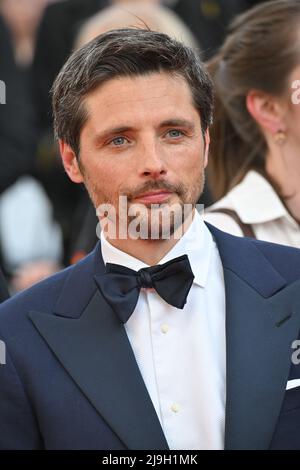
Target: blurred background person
127,12
22,18
30,241
254,167
16,118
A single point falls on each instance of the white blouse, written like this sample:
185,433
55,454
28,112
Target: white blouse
257,204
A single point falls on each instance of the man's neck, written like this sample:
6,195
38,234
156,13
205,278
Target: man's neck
150,251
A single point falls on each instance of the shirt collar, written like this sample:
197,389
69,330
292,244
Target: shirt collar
255,201
197,243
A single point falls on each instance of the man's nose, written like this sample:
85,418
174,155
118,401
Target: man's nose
152,162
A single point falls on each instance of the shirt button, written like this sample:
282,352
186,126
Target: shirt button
164,328
175,407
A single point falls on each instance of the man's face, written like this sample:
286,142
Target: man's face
142,140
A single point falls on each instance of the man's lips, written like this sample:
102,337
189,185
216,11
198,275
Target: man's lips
153,197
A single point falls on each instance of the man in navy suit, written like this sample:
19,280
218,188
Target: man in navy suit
171,334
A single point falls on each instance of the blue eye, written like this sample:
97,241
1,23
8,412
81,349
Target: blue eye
175,133
117,141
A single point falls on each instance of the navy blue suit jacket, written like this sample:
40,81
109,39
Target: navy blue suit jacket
71,380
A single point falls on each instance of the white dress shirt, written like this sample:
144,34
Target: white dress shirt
181,353
256,203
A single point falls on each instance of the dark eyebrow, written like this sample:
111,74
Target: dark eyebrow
178,123
114,130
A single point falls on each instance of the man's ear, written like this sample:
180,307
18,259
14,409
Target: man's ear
206,147
70,162
266,110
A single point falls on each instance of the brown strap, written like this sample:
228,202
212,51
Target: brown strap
246,228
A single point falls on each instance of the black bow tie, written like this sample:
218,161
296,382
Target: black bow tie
121,286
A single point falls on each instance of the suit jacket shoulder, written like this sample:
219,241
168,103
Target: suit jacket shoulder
285,259
247,255
44,295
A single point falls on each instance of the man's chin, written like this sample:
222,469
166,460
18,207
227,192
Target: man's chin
158,221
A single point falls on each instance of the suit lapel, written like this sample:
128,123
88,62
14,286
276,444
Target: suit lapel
93,347
262,321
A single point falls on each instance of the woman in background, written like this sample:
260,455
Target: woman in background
254,168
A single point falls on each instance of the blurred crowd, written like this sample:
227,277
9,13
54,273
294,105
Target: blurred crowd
46,222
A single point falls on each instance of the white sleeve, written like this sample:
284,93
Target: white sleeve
27,229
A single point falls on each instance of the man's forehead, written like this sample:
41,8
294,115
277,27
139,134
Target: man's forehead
127,94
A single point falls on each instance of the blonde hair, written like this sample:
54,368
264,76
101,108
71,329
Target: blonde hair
155,17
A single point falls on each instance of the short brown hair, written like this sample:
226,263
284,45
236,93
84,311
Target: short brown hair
123,52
